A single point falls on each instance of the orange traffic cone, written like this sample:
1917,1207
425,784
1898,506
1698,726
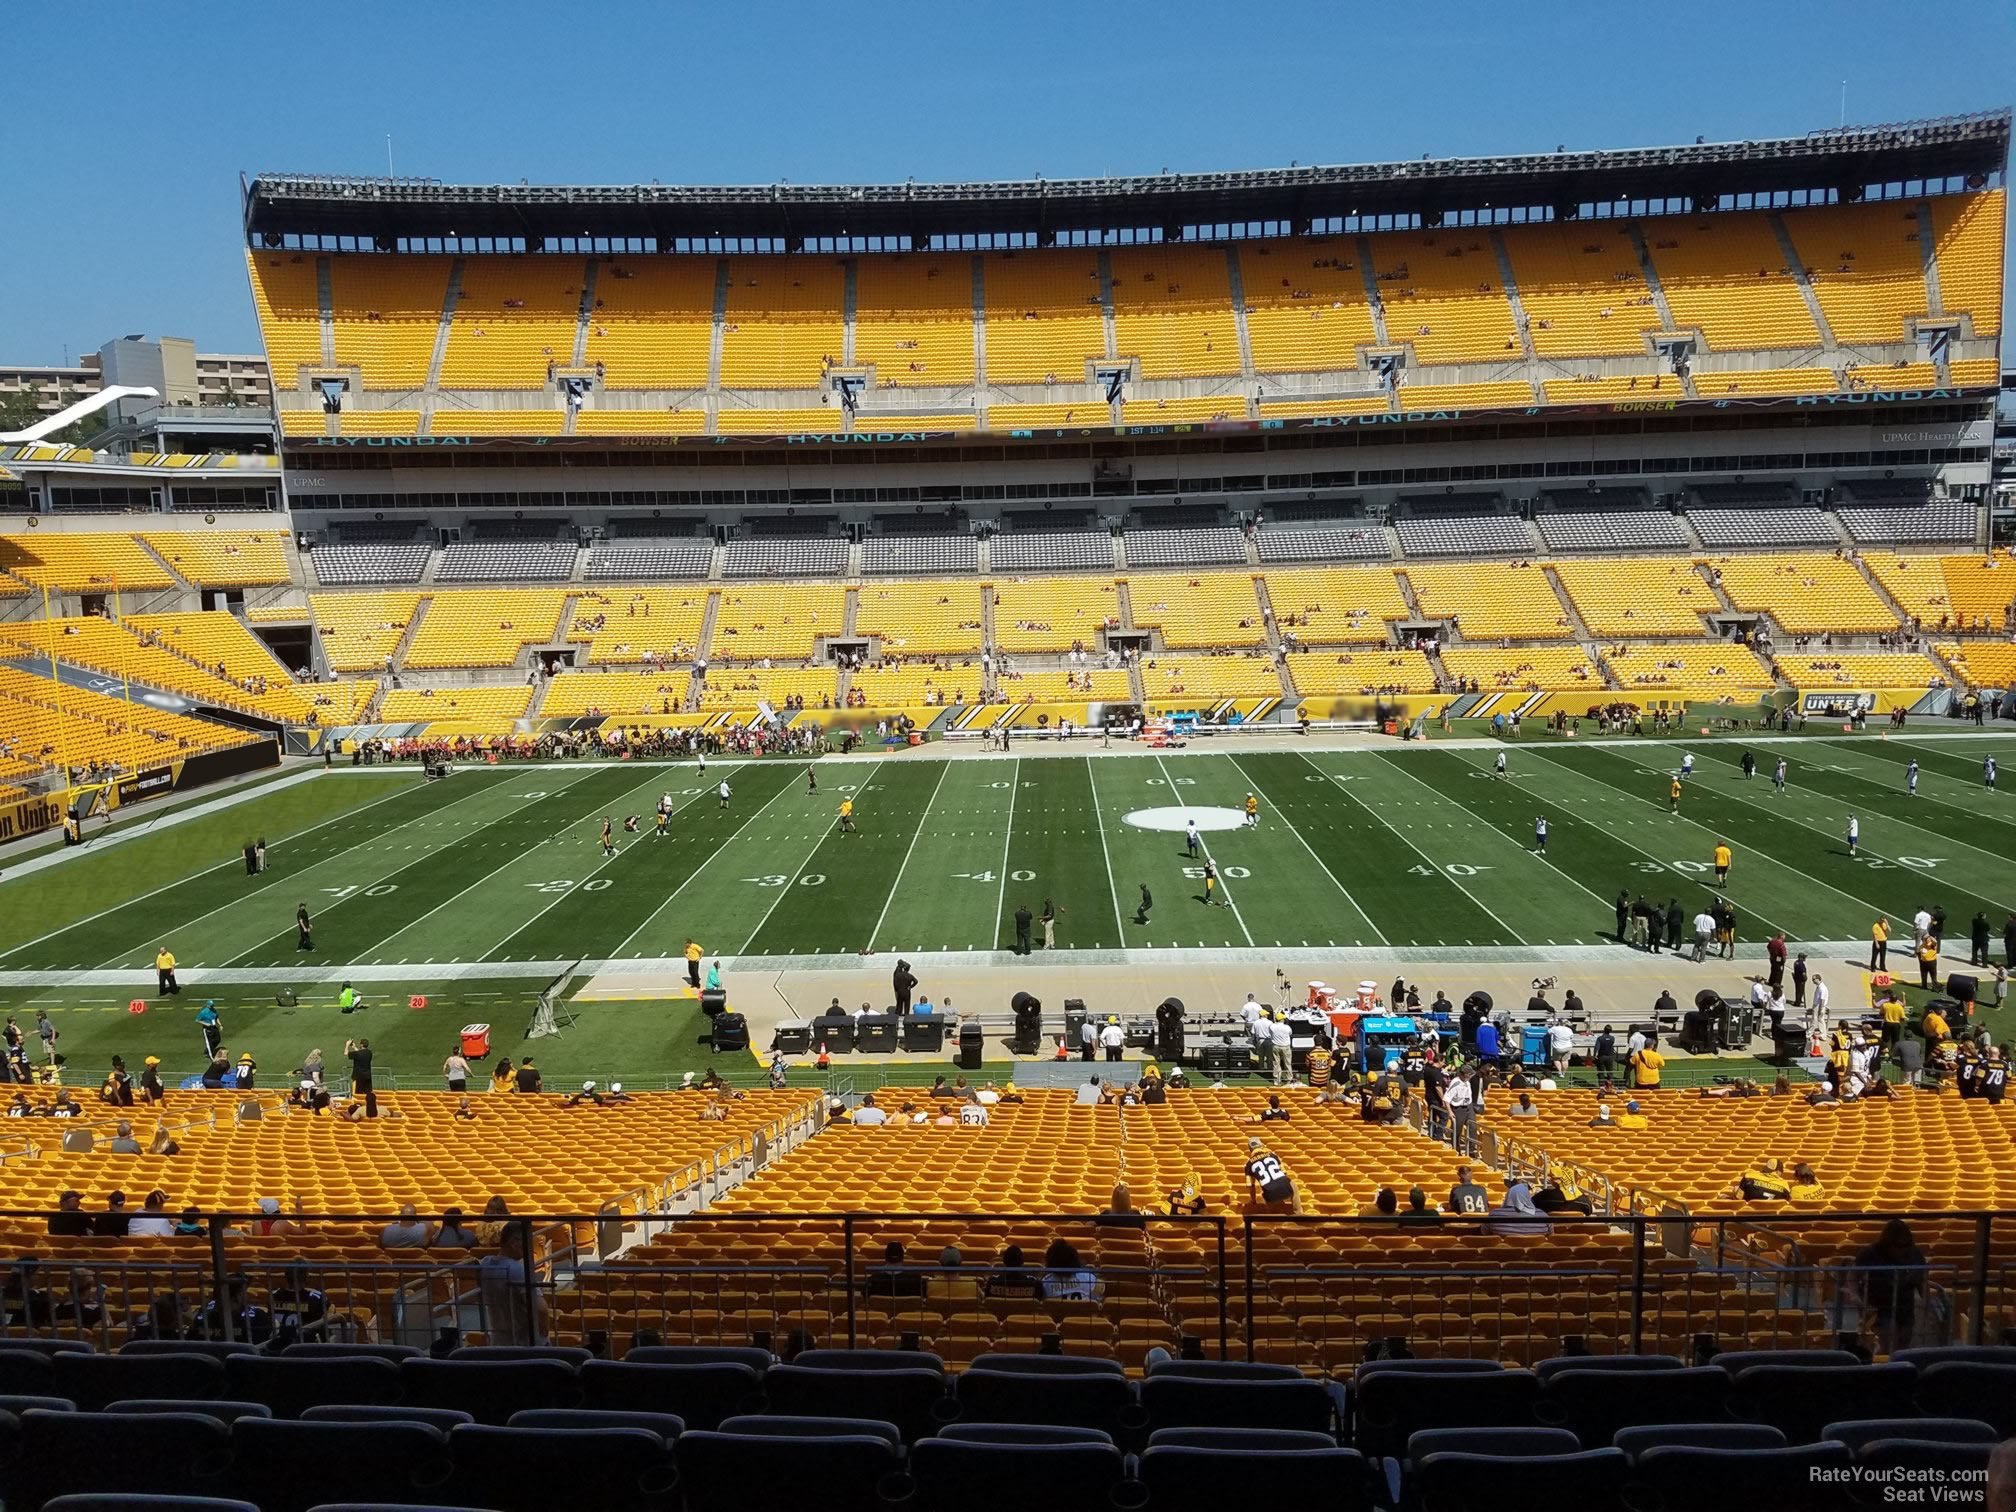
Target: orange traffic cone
1062,1053
825,1061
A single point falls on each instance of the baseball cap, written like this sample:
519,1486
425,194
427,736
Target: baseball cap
1631,1107
615,1086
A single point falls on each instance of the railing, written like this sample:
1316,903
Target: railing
1245,1286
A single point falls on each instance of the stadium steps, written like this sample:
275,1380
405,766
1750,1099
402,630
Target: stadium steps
1797,264
412,629
579,574
544,684
582,316
716,333
1928,260
1368,273
851,615
1650,271
433,566
1509,281
850,304
702,644
1106,308
1581,627
987,626
325,308
148,549
449,301
979,277
1236,282
1273,629
1407,592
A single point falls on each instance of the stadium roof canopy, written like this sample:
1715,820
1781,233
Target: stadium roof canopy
1843,160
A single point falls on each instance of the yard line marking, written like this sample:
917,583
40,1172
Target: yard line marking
430,850
1377,934
785,891
896,886
593,871
279,887
1923,800
222,865
1091,783
1207,856
1511,934
1397,766
1007,839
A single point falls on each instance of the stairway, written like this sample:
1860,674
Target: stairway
1568,605
1883,593
1722,599
1273,630
432,391
1797,266
1407,593
406,641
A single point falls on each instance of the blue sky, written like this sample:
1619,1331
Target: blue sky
126,128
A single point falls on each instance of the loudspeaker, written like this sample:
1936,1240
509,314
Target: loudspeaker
731,1032
875,1034
713,1000
794,1037
1028,1024
1963,987
972,1045
837,1034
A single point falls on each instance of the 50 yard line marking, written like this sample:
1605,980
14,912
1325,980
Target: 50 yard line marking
1099,815
1377,933
1007,839
1208,857
896,886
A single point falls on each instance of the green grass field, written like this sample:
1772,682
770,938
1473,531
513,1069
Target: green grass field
475,889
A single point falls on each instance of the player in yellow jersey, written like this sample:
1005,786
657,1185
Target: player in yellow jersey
846,816
1252,812
1673,797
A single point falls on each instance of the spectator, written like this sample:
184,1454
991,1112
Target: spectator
951,1283
1523,1108
1418,1210
85,1306
247,1324
1890,1282
1384,1204
70,1220
1120,1210
300,1311
1012,1279
115,1221
1273,1112
495,1215
893,1278
1088,1094
1064,1276
190,1225
408,1233
528,1078
1646,1064
1517,1214
269,1221
123,1142
502,1076
452,1232
153,1221
1466,1197
510,1315
868,1113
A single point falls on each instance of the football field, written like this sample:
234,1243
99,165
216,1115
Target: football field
498,872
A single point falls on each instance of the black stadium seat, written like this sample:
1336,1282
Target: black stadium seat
724,1472
290,1386
1507,1443
1239,1438
490,1390
571,1355
1734,1360
812,1427
1680,1479
91,1381
1179,1401
27,1372
1196,1478
1042,1364
1595,1404
700,1395
913,1400
1105,1402
539,1469
20,1404
217,1349
576,1419
225,1412
758,1360
1803,1400
1022,1433
121,1501
1907,1461
1548,1369
1947,1354
1635,1441
1589,1480
1222,1370
174,1454
1961,1388
1393,1405
443,1418
392,1352
291,1467
947,1473
1940,1430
